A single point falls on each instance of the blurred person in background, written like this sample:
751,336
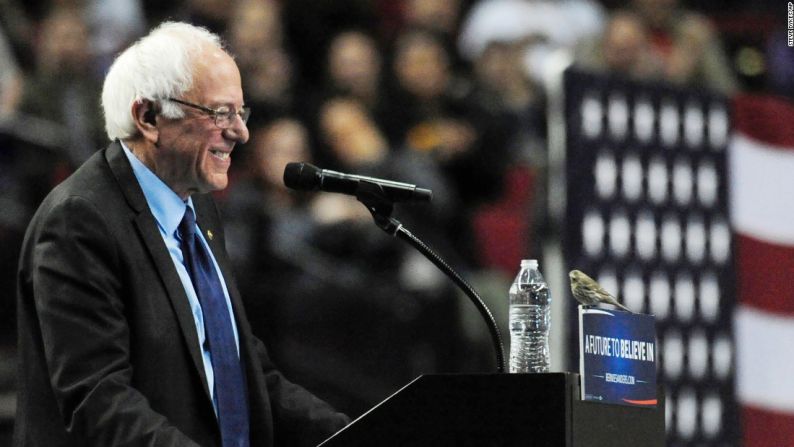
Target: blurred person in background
353,69
256,25
352,140
64,87
544,28
270,84
257,37
427,107
687,45
503,87
310,25
439,17
113,25
623,49
431,112
354,65
255,29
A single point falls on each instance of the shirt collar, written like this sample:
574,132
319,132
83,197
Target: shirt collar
166,206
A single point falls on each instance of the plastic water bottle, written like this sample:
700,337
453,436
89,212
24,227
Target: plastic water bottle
530,306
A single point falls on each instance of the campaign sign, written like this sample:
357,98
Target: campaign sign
617,357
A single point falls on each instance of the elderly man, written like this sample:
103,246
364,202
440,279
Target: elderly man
131,329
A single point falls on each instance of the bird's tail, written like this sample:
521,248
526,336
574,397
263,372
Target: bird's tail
623,307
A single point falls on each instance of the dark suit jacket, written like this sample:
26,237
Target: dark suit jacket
108,348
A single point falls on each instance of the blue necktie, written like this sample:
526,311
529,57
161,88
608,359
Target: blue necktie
230,392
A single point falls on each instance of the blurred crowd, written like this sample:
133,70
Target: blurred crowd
446,94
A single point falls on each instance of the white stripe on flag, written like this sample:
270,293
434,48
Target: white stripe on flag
762,190
765,371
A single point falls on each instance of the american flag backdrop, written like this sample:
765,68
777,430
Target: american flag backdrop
647,215
762,204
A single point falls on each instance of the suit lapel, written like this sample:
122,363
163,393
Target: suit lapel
147,227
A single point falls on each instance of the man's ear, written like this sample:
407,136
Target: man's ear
144,113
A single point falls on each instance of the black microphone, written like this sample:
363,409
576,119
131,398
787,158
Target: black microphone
306,177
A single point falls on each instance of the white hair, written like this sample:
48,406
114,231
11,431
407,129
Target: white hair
158,66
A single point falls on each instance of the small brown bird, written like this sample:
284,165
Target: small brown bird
588,292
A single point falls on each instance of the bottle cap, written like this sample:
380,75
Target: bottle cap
531,263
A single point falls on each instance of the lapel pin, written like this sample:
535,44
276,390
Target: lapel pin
209,234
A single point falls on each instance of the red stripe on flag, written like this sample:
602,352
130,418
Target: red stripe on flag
763,428
766,275
765,118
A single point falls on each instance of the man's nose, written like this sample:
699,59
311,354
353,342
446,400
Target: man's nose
238,131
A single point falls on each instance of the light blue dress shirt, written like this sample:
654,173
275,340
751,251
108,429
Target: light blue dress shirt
168,209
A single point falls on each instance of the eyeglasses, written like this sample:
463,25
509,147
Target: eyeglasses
223,116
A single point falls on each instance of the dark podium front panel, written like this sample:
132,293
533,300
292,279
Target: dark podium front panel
532,410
